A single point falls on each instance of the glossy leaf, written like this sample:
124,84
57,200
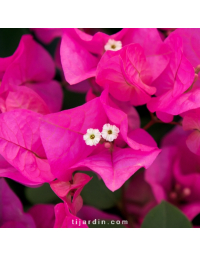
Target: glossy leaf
166,215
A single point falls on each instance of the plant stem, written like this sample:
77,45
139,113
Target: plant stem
155,120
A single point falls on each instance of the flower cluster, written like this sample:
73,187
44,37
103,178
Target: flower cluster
135,82
93,136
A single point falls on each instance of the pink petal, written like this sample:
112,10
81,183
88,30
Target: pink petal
11,213
62,135
32,64
21,146
190,37
139,139
43,215
159,175
8,171
25,98
191,210
51,92
123,72
63,188
78,64
148,38
117,167
64,219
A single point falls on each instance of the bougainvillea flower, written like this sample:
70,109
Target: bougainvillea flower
174,176
191,49
62,137
138,199
69,192
21,146
127,74
172,97
11,210
27,79
64,219
191,122
43,215
81,52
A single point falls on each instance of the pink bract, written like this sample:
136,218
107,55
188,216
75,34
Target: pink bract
191,41
8,171
127,75
191,122
27,79
81,52
43,215
138,198
172,97
21,146
69,192
62,137
11,212
64,219
174,175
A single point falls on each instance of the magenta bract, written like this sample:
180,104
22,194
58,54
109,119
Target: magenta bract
64,219
27,80
11,213
21,146
62,137
69,192
174,175
172,85
81,52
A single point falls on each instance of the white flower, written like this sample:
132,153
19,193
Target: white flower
113,45
110,132
92,137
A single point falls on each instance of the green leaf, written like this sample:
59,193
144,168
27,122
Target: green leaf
9,40
96,194
41,195
166,215
105,224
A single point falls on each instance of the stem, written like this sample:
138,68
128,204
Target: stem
155,120
147,126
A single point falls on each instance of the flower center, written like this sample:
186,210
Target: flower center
110,132
113,46
92,136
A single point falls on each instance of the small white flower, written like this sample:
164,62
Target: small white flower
92,137
110,132
113,45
